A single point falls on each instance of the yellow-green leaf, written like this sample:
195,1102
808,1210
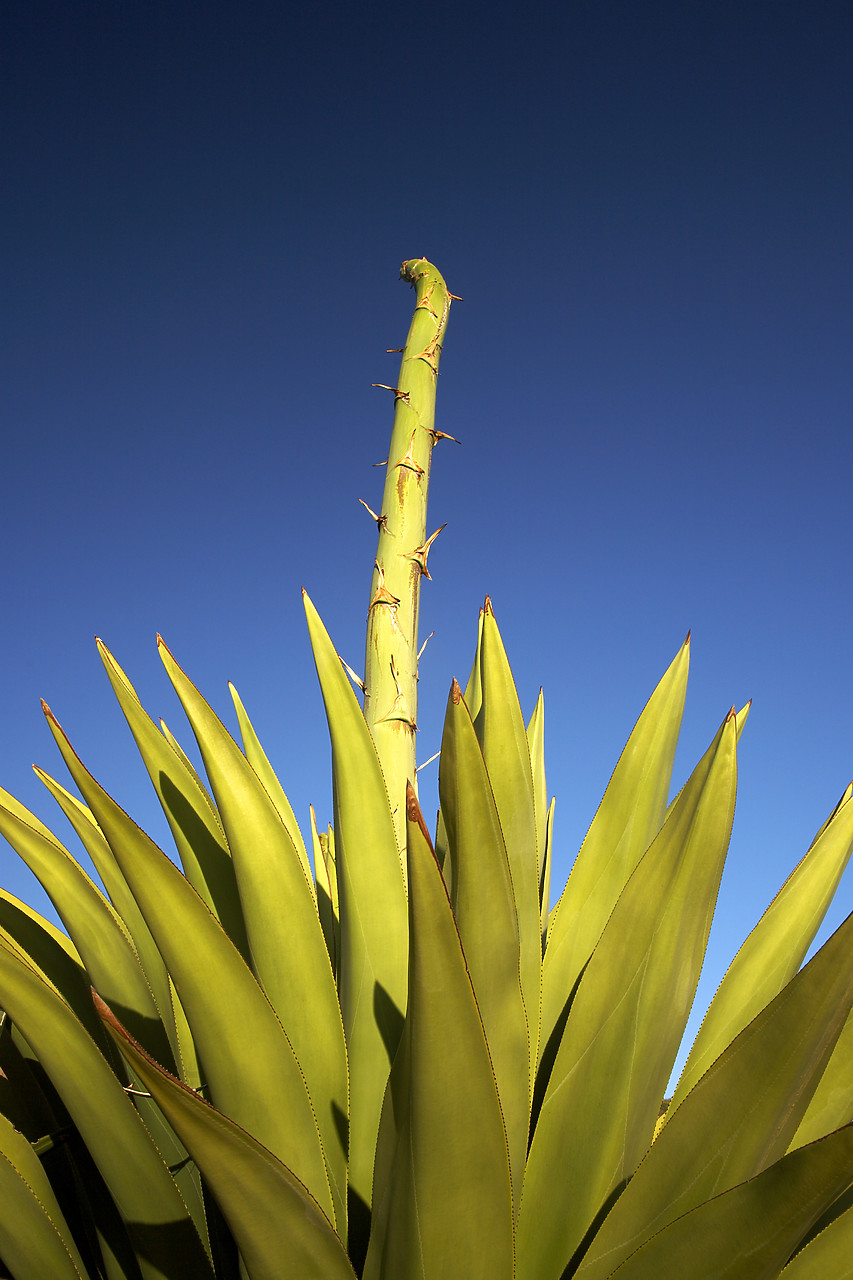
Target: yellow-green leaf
157,1220
374,920
503,739
253,1077
775,948
748,1232
627,1019
484,909
35,1240
742,1114
194,823
257,758
628,819
277,1225
442,1201
288,949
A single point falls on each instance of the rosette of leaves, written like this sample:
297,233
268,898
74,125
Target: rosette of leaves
377,1051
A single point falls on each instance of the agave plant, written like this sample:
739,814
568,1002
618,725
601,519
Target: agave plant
377,1052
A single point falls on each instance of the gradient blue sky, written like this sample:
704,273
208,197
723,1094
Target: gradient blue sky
647,209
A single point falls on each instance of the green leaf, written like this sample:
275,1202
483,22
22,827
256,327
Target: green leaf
484,909
536,747
443,1202
627,1020
93,841
92,923
257,758
35,1240
742,1114
547,860
829,1255
474,687
288,949
775,948
164,1237
374,919
628,819
254,1077
272,1215
503,738
51,950
326,889
194,823
748,1232
832,1102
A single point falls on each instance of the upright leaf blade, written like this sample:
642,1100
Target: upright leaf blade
628,819
288,949
442,1201
627,1020
503,738
775,948
741,1115
253,1078
195,825
374,915
485,914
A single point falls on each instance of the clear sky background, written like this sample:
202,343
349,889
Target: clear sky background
647,209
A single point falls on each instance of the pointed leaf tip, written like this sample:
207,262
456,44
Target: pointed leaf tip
413,813
487,606
455,692
731,714
687,637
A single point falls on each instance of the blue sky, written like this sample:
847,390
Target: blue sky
647,211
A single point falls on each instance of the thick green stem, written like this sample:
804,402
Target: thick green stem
391,661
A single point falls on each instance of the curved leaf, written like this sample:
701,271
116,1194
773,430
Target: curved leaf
748,1232
742,1114
253,1077
272,1215
288,949
829,1254
194,823
163,1234
92,923
35,1240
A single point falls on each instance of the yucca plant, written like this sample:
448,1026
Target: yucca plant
382,1054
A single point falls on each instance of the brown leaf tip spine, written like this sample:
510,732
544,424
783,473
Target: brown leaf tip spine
413,813
732,714
687,637
487,607
455,693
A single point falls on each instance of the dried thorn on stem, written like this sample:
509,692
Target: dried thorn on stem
400,710
408,460
398,394
381,521
424,645
419,555
441,435
355,679
382,595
